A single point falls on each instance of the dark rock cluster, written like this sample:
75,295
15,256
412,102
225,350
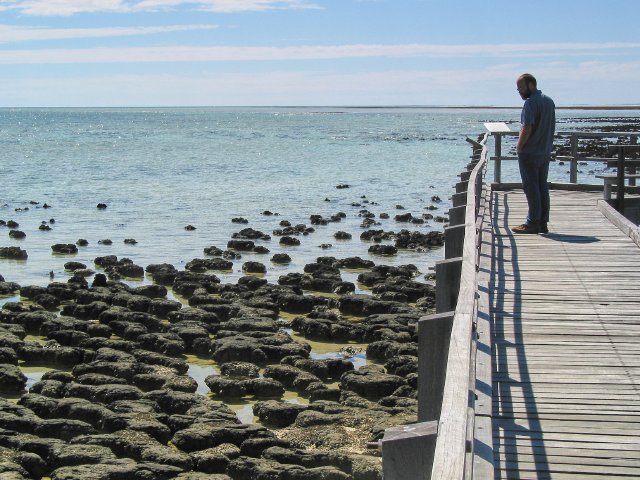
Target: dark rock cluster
120,392
404,239
117,400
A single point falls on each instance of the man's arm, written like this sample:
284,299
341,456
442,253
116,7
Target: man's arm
525,133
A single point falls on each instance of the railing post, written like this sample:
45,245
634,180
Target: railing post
458,199
456,215
474,161
462,186
479,182
453,240
621,150
497,166
447,284
573,169
434,333
633,140
464,176
620,183
407,451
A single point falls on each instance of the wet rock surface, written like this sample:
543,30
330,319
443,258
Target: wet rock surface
119,398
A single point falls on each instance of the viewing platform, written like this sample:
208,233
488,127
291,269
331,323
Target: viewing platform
530,369
565,309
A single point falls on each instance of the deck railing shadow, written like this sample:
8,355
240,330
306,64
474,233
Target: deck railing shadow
503,409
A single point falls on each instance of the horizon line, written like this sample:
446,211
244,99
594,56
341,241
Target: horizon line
630,106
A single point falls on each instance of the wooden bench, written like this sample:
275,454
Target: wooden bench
612,179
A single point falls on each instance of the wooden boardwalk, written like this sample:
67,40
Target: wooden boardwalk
566,349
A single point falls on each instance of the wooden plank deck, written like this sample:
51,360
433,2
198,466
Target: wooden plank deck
566,349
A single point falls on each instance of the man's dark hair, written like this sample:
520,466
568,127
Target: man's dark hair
528,78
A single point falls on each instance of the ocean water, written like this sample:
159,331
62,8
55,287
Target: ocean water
161,169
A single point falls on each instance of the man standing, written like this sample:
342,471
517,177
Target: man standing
538,119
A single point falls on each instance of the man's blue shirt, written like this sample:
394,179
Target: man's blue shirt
539,111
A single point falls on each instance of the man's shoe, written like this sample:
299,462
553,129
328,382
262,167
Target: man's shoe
526,229
544,228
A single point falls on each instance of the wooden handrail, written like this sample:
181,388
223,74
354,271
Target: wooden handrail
581,134
573,158
451,444
436,446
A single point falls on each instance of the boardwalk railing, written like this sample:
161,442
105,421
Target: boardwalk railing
625,160
575,155
453,455
453,439
440,446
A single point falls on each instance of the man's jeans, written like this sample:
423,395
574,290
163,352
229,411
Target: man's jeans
534,171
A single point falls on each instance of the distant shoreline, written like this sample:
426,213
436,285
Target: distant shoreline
488,107
581,107
344,107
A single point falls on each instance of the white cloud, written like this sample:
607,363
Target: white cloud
228,6
67,7
600,83
71,7
13,34
312,52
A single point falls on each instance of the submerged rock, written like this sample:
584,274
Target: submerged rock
354,263
254,267
206,435
202,264
385,250
239,369
281,258
277,413
7,288
241,245
163,273
413,240
364,305
14,253
289,241
213,251
236,387
11,378
17,234
371,383
251,234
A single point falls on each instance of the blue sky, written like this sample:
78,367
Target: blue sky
316,52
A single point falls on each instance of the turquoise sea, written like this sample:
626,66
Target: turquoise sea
161,169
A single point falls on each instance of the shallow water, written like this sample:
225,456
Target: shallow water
159,170
199,369
34,373
357,353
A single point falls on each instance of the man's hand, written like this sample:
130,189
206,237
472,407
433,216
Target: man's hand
525,133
